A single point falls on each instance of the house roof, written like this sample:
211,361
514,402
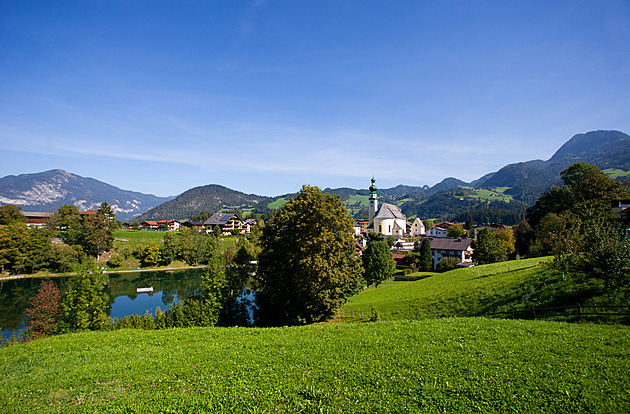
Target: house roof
445,243
389,211
218,219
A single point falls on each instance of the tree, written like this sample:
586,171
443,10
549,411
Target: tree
168,251
488,248
307,265
446,264
150,255
506,237
456,231
10,214
378,263
44,311
428,224
523,237
426,258
84,304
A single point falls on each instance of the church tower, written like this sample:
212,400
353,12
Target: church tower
372,202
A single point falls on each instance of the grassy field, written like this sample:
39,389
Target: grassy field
277,204
615,173
437,365
464,292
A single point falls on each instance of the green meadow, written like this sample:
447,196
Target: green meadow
433,349
434,365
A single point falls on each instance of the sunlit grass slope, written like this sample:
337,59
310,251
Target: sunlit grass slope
464,292
434,365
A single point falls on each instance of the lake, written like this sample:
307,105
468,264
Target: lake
168,287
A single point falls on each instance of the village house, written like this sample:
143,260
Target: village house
417,228
227,222
447,247
149,225
437,232
36,219
248,224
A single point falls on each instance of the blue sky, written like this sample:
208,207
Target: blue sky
265,96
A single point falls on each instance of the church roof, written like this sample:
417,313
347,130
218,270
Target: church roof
389,211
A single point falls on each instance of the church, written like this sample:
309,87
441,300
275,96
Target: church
387,219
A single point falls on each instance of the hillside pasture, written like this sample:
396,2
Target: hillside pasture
430,366
473,291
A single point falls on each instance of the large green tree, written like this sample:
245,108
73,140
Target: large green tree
10,214
378,263
307,264
489,248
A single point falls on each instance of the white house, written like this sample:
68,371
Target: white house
448,247
437,232
417,228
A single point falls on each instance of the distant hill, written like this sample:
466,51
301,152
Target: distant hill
211,198
502,195
605,149
48,190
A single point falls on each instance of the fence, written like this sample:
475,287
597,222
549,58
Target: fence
561,311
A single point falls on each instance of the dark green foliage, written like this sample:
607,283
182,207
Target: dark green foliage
456,231
426,259
24,250
446,264
200,200
502,213
85,300
523,237
196,248
115,260
168,250
307,264
488,248
378,263
10,214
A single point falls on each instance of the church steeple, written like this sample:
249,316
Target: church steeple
372,201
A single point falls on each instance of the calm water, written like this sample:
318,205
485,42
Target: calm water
168,288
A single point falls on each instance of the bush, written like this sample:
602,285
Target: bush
446,264
115,261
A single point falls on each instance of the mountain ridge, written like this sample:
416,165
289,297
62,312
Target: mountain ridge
522,181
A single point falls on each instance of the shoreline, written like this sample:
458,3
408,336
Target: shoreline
161,269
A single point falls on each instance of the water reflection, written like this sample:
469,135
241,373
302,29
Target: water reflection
168,287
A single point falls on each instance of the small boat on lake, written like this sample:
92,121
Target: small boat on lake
144,290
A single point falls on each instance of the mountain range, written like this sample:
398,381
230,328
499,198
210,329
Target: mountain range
47,191
506,192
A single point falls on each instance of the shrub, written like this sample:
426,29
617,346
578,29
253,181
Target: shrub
446,264
115,261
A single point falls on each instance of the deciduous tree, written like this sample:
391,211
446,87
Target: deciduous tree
378,263
307,265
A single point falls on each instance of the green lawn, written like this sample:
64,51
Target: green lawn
430,366
464,292
135,238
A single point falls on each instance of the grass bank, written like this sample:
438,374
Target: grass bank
473,291
435,365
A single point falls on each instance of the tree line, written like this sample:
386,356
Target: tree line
77,236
